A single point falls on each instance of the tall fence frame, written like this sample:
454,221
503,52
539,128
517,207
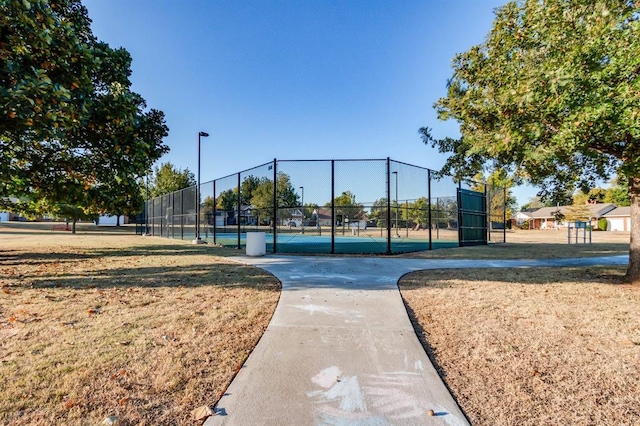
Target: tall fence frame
334,206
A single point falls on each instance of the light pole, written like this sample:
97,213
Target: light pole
396,174
302,202
198,240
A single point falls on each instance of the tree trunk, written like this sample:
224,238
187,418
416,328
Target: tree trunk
633,271
117,220
73,227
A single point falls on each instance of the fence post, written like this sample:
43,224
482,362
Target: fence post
459,198
182,214
153,218
504,215
239,210
388,205
215,212
429,205
275,204
146,211
333,206
487,219
172,203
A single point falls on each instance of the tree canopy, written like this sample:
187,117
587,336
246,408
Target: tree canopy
227,201
249,184
552,96
616,194
168,178
262,194
347,205
72,133
378,212
500,197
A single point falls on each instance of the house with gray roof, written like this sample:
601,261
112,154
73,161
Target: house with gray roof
545,217
619,219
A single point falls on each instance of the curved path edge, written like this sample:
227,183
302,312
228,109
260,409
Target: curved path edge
341,350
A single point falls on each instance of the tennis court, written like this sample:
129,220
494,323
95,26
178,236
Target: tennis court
333,206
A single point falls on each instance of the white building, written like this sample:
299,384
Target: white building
619,219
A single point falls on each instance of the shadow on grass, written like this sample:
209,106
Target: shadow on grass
38,228
51,270
195,275
18,257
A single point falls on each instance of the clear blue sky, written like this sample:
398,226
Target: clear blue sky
294,79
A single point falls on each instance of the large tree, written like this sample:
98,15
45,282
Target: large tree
249,184
552,95
417,212
618,195
72,133
378,212
227,201
500,197
168,178
286,197
348,207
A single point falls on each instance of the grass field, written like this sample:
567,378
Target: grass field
533,346
107,323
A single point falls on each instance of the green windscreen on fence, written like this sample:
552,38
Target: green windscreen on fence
473,217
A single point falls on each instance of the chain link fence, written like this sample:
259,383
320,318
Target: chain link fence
334,206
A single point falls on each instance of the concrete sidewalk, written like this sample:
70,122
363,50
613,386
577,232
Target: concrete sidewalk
340,349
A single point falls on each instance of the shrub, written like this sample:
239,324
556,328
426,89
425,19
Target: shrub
602,224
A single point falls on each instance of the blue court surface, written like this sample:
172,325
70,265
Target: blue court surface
303,243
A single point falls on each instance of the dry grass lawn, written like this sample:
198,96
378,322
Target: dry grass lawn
108,323
101,324
533,346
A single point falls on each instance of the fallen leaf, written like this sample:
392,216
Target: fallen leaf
92,311
201,413
12,319
69,403
124,400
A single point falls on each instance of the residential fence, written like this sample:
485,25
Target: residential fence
334,206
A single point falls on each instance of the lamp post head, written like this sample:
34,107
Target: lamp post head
203,134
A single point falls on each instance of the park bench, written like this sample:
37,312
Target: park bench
63,227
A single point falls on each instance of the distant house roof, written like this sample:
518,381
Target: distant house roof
323,213
619,212
524,214
595,210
